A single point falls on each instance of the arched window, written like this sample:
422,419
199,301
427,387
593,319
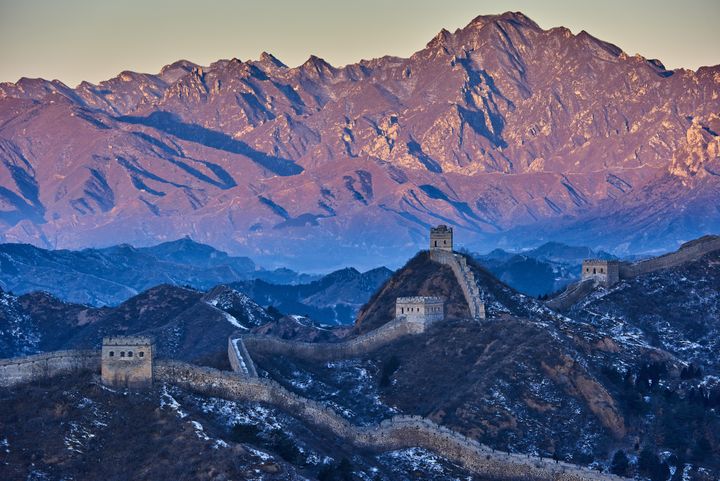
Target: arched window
594,271
142,354
130,353
122,353
602,270
111,353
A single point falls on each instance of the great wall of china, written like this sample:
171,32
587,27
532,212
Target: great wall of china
42,366
240,344
689,251
465,278
397,433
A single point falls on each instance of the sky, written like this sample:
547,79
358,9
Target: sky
75,40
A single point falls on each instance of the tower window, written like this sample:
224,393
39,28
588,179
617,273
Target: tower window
130,353
111,353
122,353
142,354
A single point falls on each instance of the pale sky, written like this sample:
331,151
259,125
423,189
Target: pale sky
75,40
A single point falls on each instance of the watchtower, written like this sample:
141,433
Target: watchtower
605,271
420,309
127,361
441,238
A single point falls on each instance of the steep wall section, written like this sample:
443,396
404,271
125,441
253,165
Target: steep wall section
465,278
397,433
689,251
240,359
40,366
572,293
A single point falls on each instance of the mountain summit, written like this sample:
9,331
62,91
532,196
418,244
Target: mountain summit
510,133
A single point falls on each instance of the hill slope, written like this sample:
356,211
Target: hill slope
187,324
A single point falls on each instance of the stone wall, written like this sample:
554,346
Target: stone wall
604,270
41,366
688,252
400,432
420,308
441,238
240,359
572,293
465,278
355,347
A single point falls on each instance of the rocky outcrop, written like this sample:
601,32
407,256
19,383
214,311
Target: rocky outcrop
577,381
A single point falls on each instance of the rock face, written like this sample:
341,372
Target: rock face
503,130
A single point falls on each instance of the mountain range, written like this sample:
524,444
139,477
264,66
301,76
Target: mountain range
111,275
511,133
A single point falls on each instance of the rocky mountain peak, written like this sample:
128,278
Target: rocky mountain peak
517,18
269,60
317,67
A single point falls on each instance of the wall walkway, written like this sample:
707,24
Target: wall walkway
465,278
240,344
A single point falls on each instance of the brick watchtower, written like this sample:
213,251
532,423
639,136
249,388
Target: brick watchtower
127,361
441,238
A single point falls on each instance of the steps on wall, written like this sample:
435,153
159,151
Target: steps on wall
466,279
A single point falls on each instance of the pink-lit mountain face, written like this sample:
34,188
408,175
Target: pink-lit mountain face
510,133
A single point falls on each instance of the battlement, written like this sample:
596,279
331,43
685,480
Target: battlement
128,341
421,299
127,361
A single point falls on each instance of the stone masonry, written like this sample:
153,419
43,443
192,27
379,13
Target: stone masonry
20,370
127,361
